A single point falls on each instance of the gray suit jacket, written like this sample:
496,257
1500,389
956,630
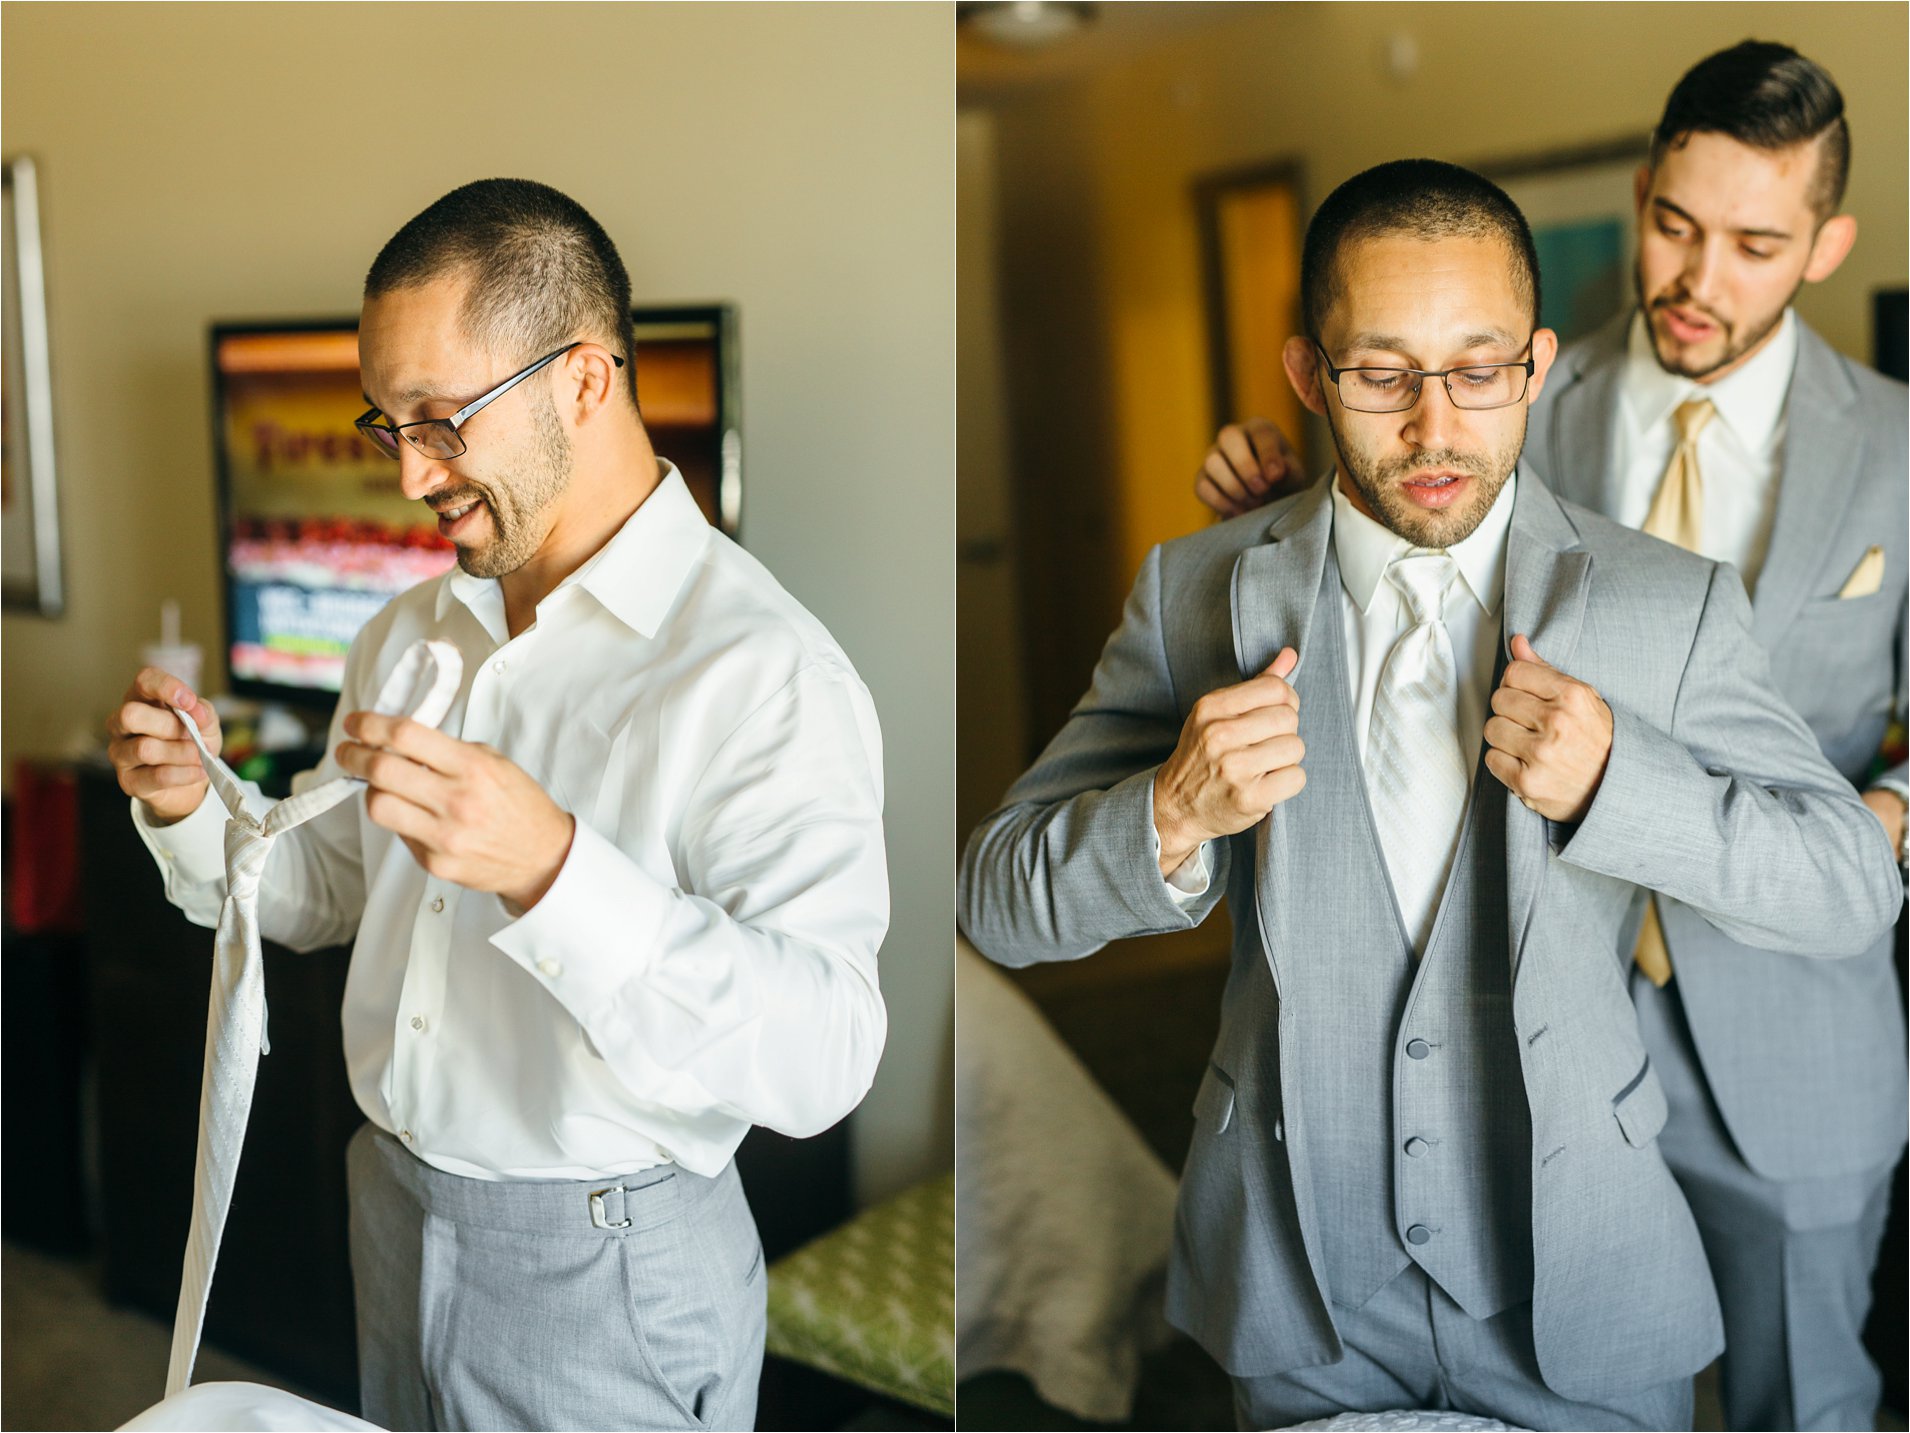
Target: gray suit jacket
1715,792
1805,1058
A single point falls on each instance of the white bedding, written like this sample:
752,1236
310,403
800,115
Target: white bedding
1063,1215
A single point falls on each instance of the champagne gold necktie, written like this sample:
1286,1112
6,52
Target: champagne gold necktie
1676,515
422,687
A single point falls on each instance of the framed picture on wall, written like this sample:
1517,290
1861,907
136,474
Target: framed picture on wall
29,506
1579,204
1251,225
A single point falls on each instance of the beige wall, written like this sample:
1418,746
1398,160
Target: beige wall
1100,249
204,162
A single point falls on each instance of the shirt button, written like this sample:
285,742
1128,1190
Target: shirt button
417,1023
1418,1049
405,1135
1418,1234
550,968
498,665
437,904
1414,1146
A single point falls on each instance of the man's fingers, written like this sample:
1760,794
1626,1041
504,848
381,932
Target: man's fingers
388,770
134,751
1251,763
1220,474
1523,650
1212,498
1236,450
1282,666
1265,690
1534,677
1511,738
1278,786
170,778
402,818
1522,707
164,689
1509,770
425,745
1277,458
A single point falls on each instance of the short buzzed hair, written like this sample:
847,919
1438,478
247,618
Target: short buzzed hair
1421,198
1769,97
542,272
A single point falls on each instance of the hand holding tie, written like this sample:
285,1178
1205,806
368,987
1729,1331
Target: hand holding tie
469,815
1549,736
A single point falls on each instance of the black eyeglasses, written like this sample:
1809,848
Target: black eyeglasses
439,437
1394,390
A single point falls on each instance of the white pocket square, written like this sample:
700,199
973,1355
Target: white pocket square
1866,577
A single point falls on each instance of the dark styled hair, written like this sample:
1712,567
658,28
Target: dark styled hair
1423,198
1769,97
542,272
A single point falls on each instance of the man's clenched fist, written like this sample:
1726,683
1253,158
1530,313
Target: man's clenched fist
1549,736
1238,757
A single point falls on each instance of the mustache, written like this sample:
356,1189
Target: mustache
1681,301
443,502
1452,458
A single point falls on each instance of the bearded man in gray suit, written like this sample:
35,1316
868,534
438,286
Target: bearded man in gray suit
1785,1077
1425,1170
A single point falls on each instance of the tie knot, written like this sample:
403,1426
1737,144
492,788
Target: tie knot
1423,579
1691,418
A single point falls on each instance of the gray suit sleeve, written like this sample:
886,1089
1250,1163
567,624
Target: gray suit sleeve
1068,862
1736,812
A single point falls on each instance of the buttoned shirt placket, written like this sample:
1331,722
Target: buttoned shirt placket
422,687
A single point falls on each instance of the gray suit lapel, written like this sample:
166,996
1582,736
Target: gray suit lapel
1823,450
1580,461
1276,584
1276,589
1546,579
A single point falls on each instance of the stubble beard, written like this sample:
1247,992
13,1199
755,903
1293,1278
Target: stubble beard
1377,482
516,533
1734,348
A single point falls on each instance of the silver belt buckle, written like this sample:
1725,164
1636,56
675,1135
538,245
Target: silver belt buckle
597,1215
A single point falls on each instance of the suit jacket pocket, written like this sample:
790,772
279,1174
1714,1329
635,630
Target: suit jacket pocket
1214,1103
1640,1107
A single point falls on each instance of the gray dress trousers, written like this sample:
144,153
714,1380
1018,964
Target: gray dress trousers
526,1304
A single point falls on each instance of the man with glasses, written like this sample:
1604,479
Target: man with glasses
1434,734
623,905
1712,416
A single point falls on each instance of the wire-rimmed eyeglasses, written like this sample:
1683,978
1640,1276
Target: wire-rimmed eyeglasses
1394,390
439,437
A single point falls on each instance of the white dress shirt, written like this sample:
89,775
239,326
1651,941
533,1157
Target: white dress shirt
1741,454
1374,616
706,958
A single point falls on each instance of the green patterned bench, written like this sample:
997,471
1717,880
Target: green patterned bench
873,1301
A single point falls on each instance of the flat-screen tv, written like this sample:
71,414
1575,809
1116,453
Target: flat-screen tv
316,535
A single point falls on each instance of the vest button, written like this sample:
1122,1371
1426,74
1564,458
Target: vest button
1418,1049
1416,1146
1418,1234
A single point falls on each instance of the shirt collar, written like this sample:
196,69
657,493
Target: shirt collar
1366,548
635,576
1750,400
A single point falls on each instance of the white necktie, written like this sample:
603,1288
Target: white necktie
1416,773
422,686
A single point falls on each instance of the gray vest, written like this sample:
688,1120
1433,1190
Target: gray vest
1418,1134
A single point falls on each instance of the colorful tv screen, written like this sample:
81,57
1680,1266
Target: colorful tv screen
318,536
